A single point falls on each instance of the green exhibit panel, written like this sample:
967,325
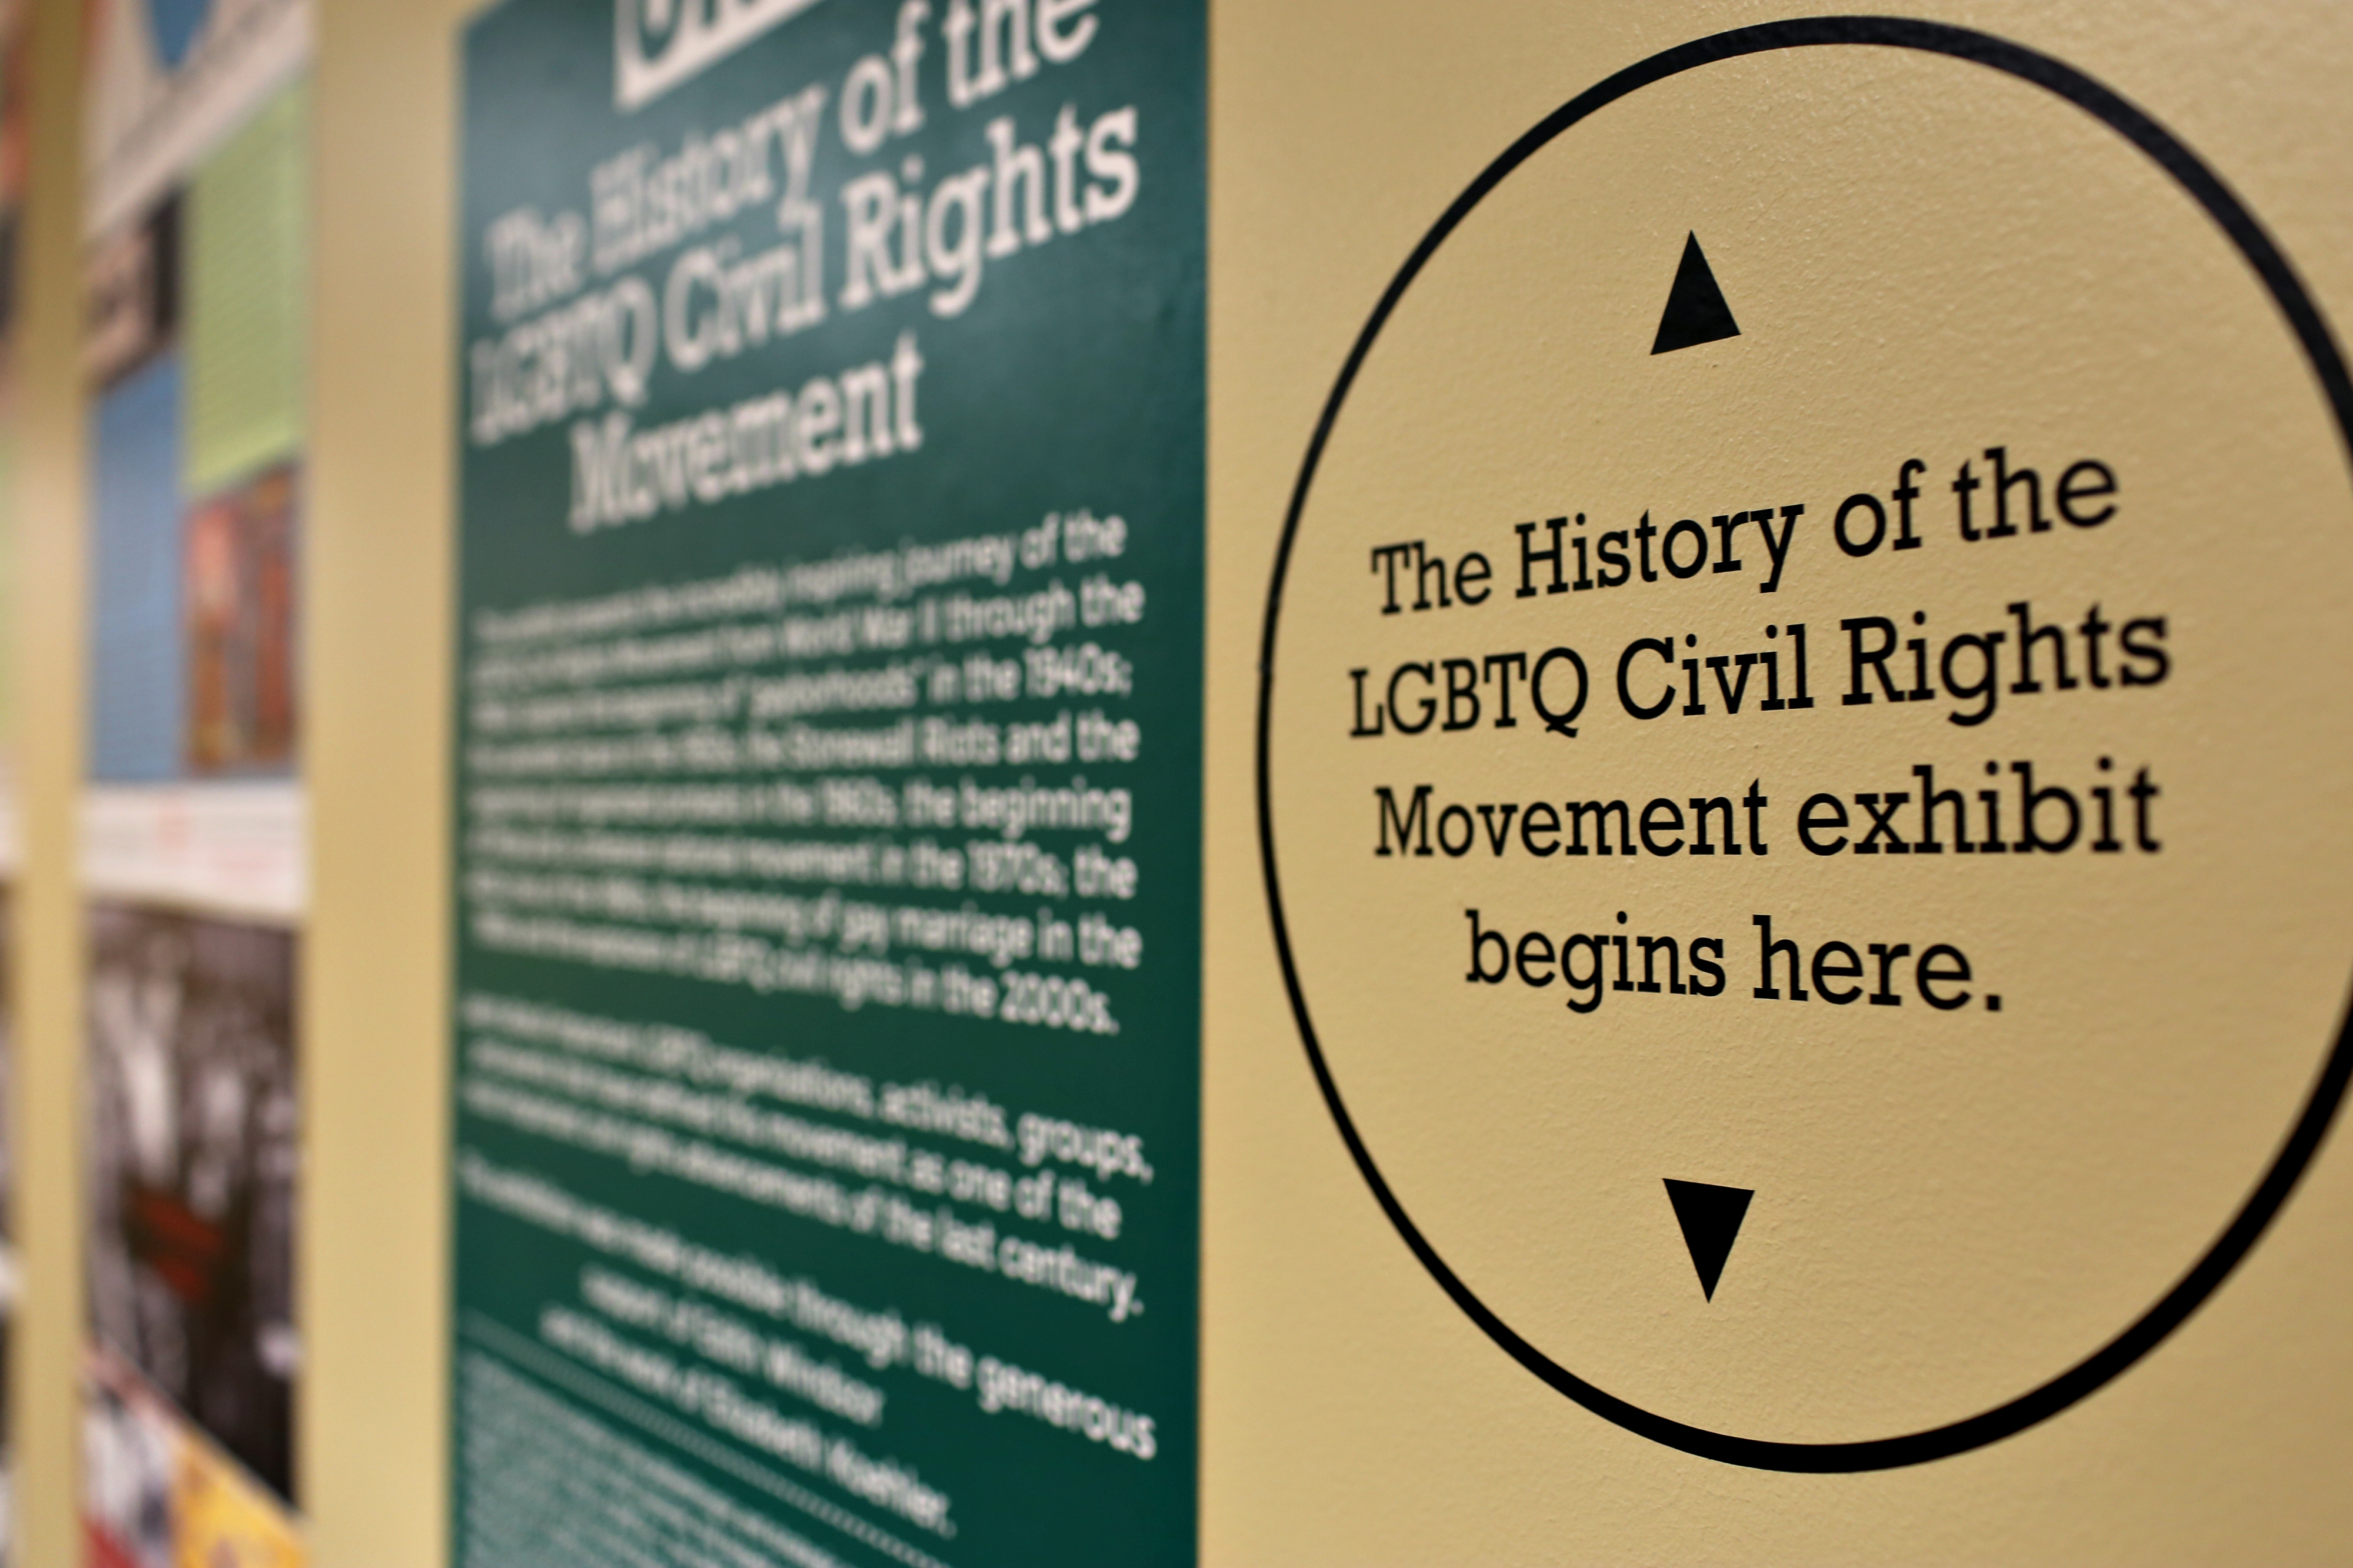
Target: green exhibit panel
826,1007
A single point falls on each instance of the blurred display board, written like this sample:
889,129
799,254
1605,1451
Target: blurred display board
195,230
828,994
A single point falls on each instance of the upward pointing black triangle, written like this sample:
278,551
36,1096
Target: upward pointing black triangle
1695,311
1711,1217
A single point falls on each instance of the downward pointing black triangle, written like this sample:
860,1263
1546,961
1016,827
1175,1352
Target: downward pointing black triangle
1695,311
1711,1217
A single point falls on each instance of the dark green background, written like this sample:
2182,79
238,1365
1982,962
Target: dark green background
1075,379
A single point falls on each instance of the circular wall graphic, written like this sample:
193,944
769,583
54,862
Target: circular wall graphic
1799,745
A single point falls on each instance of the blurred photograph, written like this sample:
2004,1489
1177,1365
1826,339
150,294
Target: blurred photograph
193,1161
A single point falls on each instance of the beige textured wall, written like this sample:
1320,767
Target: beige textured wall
1352,1414
48,658
374,1236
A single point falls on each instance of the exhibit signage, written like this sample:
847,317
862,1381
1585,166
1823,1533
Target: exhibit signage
1800,742
827,1032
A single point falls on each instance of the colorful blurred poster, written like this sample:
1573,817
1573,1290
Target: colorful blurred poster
195,353
168,81
239,599
195,226
159,1494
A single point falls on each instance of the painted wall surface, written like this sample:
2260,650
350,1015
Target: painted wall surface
46,636
1352,1412
1923,1267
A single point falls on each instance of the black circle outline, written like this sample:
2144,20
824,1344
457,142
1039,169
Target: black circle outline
2303,1139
